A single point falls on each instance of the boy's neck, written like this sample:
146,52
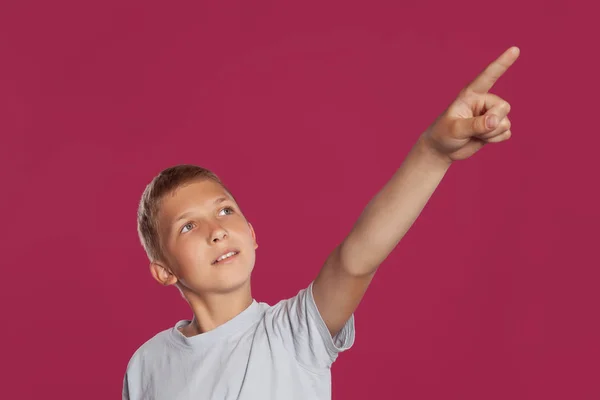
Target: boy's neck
213,311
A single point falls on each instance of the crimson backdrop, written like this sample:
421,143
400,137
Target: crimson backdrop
305,110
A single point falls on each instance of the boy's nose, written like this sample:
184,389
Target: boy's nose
218,233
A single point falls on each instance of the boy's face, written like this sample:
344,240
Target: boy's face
198,223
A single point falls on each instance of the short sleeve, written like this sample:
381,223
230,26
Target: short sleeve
298,323
125,391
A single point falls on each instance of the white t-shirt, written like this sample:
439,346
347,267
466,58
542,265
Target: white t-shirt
266,352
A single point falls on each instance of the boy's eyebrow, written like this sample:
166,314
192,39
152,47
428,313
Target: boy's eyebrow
186,214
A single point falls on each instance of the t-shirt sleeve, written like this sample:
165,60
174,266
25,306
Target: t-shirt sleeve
125,390
298,323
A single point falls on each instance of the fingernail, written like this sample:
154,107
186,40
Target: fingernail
492,121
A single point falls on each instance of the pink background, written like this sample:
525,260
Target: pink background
305,110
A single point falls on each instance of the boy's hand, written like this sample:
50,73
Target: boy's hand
475,118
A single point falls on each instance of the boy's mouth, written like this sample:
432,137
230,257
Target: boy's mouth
227,256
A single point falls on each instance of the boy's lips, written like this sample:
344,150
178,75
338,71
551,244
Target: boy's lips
236,251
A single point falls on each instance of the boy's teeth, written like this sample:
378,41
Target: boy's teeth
231,253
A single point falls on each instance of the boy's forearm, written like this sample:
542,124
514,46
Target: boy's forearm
393,210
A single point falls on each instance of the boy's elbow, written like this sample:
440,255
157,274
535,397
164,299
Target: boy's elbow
355,262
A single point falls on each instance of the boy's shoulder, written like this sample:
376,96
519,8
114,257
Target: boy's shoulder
151,347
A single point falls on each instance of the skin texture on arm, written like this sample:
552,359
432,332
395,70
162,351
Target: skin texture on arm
473,120
349,269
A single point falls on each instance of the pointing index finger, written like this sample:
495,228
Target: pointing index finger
486,80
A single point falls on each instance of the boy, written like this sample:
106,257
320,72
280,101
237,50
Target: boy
198,239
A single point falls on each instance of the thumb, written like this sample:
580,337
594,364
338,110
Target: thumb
477,126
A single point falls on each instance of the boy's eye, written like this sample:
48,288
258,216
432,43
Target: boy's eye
227,208
189,224
187,227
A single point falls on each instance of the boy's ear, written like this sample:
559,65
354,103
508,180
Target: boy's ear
253,235
162,274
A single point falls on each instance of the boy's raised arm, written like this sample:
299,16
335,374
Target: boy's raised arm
474,119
